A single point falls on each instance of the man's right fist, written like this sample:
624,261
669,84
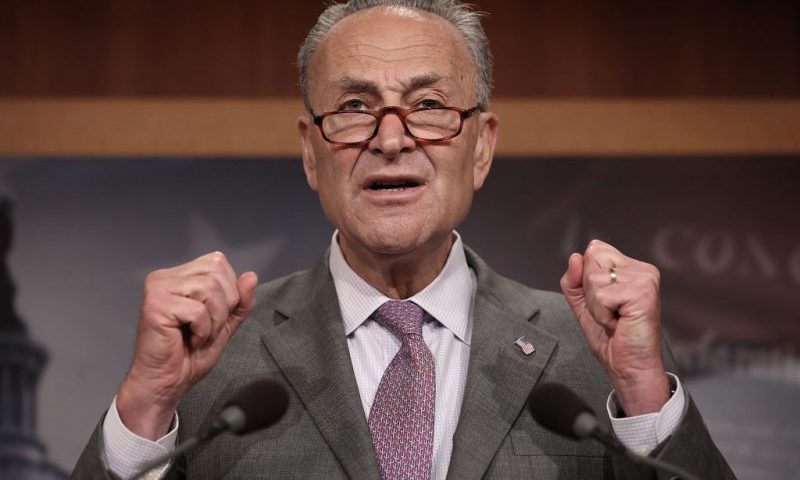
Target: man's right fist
189,314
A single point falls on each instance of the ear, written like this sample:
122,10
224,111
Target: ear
305,128
484,148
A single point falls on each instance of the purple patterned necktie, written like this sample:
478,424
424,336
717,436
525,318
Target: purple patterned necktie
401,418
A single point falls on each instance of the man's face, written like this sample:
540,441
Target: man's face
394,56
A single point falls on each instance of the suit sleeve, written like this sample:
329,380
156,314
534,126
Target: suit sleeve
91,465
690,446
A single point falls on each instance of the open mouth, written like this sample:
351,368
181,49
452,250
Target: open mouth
393,185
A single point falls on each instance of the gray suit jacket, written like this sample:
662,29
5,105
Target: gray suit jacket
296,335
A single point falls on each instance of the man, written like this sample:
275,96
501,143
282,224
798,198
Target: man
399,348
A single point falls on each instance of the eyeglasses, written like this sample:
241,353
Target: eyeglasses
357,127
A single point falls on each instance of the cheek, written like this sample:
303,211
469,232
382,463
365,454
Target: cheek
330,184
335,188
331,175
465,189
462,178
454,192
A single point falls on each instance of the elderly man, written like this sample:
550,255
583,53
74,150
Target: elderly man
399,348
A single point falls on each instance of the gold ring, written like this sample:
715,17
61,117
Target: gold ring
613,274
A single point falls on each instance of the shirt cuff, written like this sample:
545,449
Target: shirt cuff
643,433
125,453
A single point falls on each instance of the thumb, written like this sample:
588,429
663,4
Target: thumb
572,284
246,284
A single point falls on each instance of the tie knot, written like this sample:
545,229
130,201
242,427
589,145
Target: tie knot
400,317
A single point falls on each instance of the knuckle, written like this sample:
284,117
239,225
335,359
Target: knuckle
149,290
652,274
230,302
656,273
213,283
209,285
217,260
216,289
148,310
597,245
600,296
647,285
196,312
154,276
152,307
151,295
655,282
595,278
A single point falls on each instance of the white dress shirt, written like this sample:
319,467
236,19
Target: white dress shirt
447,331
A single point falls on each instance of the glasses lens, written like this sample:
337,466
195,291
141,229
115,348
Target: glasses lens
433,124
348,127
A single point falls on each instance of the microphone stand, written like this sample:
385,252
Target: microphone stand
614,444
190,444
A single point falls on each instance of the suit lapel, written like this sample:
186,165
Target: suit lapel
309,345
500,376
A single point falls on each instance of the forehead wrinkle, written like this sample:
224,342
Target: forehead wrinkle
365,52
351,84
420,81
355,50
416,82
368,56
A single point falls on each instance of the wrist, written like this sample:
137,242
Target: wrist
144,410
643,394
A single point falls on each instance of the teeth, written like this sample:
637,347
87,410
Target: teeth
394,186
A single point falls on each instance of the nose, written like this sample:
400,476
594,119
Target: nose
392,138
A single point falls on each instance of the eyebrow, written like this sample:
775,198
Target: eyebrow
350,84
422,81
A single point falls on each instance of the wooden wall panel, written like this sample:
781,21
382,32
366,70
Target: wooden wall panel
646,48
542,47
266,127
148,47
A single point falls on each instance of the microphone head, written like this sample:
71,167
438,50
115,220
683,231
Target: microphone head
257,405
560,410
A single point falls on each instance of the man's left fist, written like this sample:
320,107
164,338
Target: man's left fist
616,299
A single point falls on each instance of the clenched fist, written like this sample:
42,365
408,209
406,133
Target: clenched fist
189,314
617,302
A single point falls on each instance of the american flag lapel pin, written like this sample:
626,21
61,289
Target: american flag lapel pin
524,345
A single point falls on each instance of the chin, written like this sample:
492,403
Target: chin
408,241
393,243
394,237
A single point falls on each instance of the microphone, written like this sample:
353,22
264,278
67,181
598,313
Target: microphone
256,406
562,411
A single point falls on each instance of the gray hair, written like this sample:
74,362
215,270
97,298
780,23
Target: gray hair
462,16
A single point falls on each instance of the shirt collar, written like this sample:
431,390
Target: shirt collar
448,298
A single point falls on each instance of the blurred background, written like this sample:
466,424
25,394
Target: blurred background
138,134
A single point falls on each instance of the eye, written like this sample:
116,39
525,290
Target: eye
430,103
353,104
